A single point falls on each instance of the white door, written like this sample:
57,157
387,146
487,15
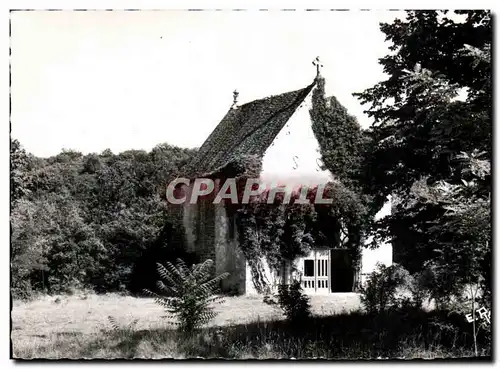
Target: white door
322,271
315,271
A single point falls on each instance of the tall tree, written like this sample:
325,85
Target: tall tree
19,175
419,124
435,106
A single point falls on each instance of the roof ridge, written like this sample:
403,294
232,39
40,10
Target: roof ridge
236,134
275,95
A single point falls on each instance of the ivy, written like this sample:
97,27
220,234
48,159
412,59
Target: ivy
279,233
340,138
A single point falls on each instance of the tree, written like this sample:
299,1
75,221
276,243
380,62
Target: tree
87,220
19,176
419,125
422,127
464,232
27,249
75,253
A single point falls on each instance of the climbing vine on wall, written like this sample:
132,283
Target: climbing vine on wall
273,232
282,232
340,137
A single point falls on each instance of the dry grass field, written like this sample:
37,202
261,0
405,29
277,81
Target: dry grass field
78,326
75,326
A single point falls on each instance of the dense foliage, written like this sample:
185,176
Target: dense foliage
19,166
431,145
89,221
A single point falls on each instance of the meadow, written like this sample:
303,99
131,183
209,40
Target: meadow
115,326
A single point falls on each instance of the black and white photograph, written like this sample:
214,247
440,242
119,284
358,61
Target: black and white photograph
251,184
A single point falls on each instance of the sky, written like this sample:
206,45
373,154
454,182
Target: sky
121,80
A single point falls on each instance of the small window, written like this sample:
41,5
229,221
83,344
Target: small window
308,268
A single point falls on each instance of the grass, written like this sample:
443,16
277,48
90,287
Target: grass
77,326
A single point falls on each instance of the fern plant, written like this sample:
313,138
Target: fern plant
188,294
117,327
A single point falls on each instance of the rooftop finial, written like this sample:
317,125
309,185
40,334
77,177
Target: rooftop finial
235,98
318,65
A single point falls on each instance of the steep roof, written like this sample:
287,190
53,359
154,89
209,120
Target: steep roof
247,130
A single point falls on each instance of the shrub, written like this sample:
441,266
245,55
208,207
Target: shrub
419,288
379,293
187,293
294,303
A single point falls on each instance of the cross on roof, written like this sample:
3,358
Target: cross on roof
318,65
235,99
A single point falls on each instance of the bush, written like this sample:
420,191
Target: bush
419,288
379,293
187,293
294,303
